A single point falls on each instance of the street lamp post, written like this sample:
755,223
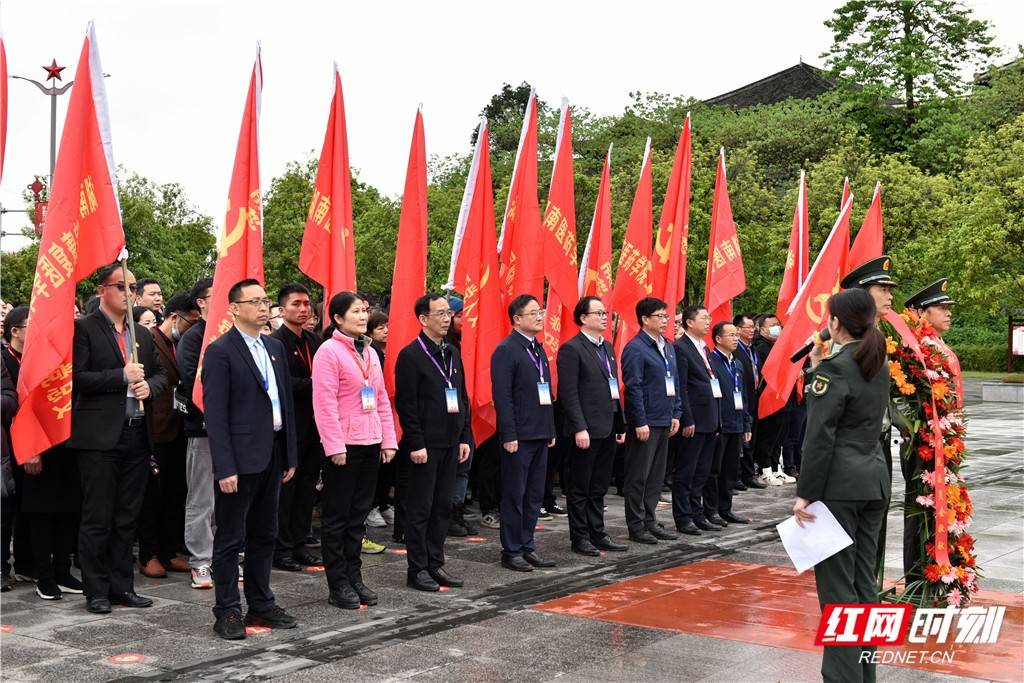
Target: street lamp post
53,73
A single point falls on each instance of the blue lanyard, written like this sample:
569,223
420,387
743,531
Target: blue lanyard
603,355
664,358
728,367
537,361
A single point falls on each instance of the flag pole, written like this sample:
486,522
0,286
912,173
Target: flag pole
130,320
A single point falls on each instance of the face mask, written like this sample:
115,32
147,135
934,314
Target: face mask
175,335
775,331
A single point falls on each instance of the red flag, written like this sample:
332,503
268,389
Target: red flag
409,281
328,254
725,277
868,243
82,233
240,243
3,102
798,256
632,277
596,273
474,273
522,266
807,315
673,231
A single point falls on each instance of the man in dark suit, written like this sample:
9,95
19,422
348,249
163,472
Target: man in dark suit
110,424
250,420
701,393
521,390
433,410
295,509
653,412
588,392
735,424
748,360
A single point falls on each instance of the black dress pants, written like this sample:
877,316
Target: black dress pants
427,503
247,521
556,461
589,473
645,475
162,522
488,477
730,448
298,496
522,493
348,495
771,431
53,534
693,463
113,487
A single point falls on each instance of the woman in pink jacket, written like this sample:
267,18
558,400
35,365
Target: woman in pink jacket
354,418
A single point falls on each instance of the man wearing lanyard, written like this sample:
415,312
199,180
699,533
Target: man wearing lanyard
295,509
433,411
653,412
735,425
250,421
521,390
747,356
701,395
588,389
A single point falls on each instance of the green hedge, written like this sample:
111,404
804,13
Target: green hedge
986,357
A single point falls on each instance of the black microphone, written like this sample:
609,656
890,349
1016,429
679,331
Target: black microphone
806,349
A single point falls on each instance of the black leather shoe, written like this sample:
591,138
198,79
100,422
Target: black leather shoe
739,486
287,564
456,529
130,599
704,526
229,626
557,510
538,561
585,548
715,519
366,596
443,578
754,484
344,597
606,543
422,581
97,605
690,529
307,559
734,519
644,537
516,564
662,534
275,617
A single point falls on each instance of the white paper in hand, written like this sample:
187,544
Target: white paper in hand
816,541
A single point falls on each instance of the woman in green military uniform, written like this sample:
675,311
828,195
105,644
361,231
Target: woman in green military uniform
843,464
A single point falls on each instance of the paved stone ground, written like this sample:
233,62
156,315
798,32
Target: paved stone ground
483,632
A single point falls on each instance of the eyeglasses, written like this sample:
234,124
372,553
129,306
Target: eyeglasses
539,313
600,314
120,286
440,315
258,303
660,316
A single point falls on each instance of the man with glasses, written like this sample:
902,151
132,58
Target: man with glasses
110,430
250,420
521,389
750,362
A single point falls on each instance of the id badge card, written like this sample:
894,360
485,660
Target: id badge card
179,402
369,399
716,388
737,400
613,387
670,386
451,399
544,393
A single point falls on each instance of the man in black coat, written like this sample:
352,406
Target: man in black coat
110,423
588,392
771,429
250,420
749,360
433,411
521,390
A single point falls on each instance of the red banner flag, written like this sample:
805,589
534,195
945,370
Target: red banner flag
674,231
328,253
596,273
798,256
82,233
409,281
868,242
522,265
3,102
474,273
808,314
725,276
240,243
632,277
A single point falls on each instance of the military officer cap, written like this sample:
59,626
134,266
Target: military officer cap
932,295
877,271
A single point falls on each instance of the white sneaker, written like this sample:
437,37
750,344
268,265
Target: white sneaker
375,520
785,478
774,480
201,577
388,515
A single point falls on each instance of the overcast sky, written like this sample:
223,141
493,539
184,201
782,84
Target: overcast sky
179,71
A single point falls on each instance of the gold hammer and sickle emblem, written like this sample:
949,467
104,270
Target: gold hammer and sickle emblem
662,249
822,302
229,238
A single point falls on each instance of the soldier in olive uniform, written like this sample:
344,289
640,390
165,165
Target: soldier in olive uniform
843,465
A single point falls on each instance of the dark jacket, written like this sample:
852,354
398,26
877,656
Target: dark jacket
643,374
699,403
8,408
239,415
750,377
420,401
764,347
188,366
167,422
842,456
733,421
584,396
99,389
299,352
514,379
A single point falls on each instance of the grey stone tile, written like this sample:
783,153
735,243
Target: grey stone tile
92,635
17,651
80,667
